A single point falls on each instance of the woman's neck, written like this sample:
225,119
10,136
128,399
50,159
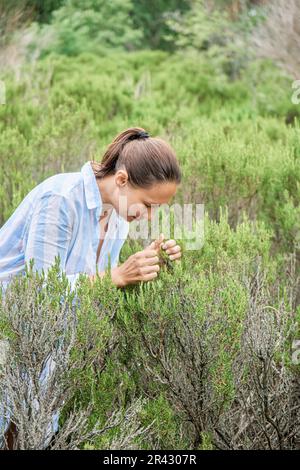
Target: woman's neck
105,186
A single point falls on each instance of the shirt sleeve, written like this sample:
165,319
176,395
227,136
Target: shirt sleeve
122,234
50,233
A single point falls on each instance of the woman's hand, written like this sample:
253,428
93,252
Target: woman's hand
142,266
172,249
170,246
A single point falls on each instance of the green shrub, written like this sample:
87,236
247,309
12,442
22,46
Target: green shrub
234,151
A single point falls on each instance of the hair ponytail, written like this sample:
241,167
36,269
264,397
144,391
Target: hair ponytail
146,159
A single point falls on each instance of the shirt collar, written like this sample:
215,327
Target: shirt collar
93,195
91,189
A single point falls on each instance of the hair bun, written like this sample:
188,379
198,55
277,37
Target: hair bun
139,135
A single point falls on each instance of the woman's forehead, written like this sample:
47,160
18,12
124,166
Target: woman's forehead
159,192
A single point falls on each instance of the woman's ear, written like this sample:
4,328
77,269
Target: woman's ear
121,178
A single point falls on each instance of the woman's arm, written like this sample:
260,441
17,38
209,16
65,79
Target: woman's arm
115,277
50,233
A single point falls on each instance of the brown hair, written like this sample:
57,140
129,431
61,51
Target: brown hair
147,160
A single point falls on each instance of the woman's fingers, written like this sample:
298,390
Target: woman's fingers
149,277
148,260
172,251
150,269
157,243
171,247
150,253
152,260
168,244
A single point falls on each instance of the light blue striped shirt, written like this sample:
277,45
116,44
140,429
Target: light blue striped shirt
61,216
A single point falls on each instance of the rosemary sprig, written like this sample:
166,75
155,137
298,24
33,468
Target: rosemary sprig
164,260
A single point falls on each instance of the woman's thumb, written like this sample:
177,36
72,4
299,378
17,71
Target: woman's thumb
155,245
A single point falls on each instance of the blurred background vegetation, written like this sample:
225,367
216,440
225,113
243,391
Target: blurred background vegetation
205,74
214,78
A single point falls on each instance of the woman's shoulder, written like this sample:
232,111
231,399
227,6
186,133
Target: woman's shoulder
64,184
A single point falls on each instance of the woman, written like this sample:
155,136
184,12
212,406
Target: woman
68,214
84,216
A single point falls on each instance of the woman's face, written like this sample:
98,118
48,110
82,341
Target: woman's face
135,203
